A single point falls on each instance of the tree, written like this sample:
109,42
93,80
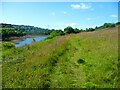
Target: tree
86,29
96,27
76,30
90,29
69,30
118,23
107,25
81,30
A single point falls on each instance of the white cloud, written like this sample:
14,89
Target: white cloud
80,6
114,16
53,14
71,24
64,12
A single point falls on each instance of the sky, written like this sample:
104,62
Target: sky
58,15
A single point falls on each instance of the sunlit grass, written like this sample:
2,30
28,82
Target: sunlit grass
85,60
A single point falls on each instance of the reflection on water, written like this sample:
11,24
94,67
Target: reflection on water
29,40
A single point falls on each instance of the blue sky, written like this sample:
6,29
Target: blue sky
58,15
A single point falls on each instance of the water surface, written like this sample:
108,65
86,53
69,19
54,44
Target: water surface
29,40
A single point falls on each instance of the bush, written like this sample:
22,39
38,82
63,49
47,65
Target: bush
7,45
80,61
55,33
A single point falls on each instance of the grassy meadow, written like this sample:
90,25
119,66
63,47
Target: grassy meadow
83,60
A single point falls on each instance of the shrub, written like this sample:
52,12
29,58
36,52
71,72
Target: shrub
49,37
80,61
7,45
55,33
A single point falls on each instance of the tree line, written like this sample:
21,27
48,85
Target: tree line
69,30
10,30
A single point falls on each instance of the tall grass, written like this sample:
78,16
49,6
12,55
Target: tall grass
85,60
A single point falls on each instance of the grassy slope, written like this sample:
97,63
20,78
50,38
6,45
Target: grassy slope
57,62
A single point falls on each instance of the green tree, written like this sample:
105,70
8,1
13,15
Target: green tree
81,30
76,30
118,23
69,30
96,27
107,25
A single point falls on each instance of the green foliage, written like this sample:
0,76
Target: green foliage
80,61
69,30
82,30
106,25
96,27
9,30
55,33
76,30
8,45
90,85
90,29
118,23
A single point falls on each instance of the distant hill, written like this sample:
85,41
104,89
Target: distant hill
28,29
11,30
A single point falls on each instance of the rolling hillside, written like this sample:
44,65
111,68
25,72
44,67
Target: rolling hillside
83,60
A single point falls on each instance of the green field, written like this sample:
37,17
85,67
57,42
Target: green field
83,60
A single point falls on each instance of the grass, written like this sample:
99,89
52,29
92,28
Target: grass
84,60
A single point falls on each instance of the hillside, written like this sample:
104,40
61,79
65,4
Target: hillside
26,28
10,30
83,60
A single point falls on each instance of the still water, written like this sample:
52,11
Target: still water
29,40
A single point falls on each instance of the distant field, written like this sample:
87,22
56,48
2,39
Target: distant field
84,60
